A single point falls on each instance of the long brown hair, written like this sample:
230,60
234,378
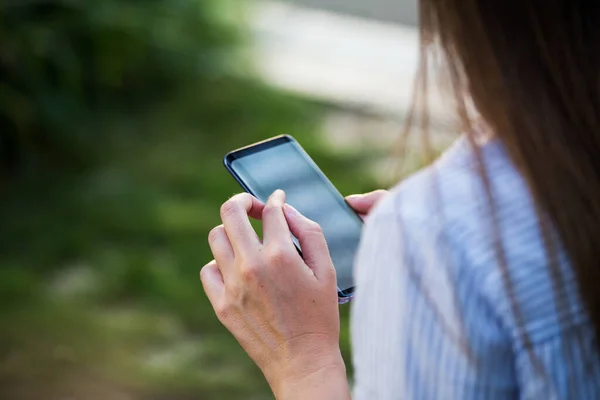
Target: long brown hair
531,68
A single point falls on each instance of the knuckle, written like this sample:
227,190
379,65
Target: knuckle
207,271
223,310
252,263
204,271
235,204
249,272
277,254
249,269
234,291
229,208
237,295
242,196
216,233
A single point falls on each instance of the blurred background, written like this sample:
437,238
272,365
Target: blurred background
114,117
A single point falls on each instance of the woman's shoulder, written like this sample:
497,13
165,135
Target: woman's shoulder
443,212
446,211
452,190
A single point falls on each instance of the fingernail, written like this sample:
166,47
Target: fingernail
353,196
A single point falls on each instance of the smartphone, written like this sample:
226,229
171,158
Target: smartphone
281,163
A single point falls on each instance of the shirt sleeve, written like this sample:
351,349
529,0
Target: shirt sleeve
421,328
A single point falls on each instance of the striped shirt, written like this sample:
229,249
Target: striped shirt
432,318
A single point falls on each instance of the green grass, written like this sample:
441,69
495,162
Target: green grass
100,266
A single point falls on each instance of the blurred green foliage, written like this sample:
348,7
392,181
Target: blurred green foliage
114,116
64,63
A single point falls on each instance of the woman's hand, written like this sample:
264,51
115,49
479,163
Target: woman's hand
282,309
364,203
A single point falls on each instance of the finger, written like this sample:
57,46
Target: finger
234,214
312,242
275,226
221,247
364,203
213,284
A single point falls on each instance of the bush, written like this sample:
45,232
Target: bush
65,64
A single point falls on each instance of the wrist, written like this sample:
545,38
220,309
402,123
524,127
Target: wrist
322,377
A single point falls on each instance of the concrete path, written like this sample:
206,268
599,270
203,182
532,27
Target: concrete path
396,11
353,62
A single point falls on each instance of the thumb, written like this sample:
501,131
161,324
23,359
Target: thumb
364,203
312,242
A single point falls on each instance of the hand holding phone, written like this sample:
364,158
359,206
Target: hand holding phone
280,307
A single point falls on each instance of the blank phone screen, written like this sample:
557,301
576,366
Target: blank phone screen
287,167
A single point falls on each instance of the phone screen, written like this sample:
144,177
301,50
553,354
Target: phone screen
286,166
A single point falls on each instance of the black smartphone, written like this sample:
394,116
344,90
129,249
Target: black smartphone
281,163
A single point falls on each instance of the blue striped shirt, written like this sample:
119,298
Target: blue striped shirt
432,318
